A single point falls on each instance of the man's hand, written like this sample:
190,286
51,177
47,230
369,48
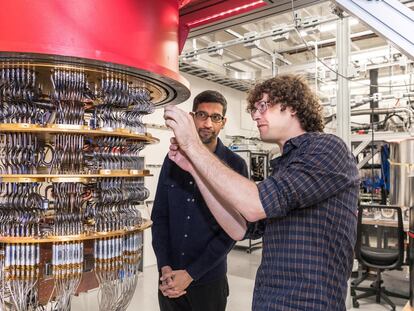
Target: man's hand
180,281
167,286
165,281
183,127
177,155
166,269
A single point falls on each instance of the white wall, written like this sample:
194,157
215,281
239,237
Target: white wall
238,123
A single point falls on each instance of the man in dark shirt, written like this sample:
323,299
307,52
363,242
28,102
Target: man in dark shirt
305,211
191,248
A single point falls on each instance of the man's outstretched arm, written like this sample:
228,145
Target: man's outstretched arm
229,219
231,190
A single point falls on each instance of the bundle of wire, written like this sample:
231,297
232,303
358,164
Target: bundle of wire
116,268
67,264
20,275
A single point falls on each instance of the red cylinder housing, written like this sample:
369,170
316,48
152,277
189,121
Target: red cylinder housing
131,33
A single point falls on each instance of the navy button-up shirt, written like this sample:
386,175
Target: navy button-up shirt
185,234
310,231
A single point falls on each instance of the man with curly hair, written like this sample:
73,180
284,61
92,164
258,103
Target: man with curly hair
305,211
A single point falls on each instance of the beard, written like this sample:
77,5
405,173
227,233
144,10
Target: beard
207,136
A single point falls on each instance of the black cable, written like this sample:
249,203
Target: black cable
387,117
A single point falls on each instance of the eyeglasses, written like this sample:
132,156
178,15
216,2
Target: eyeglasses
202,116
260,106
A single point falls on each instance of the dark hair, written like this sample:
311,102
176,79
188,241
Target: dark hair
210,96
291,91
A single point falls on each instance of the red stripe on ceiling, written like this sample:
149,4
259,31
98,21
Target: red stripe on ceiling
219,11
225,14
198,13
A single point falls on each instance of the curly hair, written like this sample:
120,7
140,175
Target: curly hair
291,91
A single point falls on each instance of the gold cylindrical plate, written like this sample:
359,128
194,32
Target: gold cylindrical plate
76,129
72,177
69,179
20,179
70,127
74,238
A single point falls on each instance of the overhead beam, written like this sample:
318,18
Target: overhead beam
388,18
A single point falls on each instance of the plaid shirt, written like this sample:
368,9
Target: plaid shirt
310,230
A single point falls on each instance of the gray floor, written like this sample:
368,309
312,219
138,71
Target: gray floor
241,274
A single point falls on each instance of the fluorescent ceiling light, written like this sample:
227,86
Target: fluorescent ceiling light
232,32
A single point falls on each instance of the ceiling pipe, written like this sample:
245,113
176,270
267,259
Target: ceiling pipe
377,111
363,35
259,36
319,44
